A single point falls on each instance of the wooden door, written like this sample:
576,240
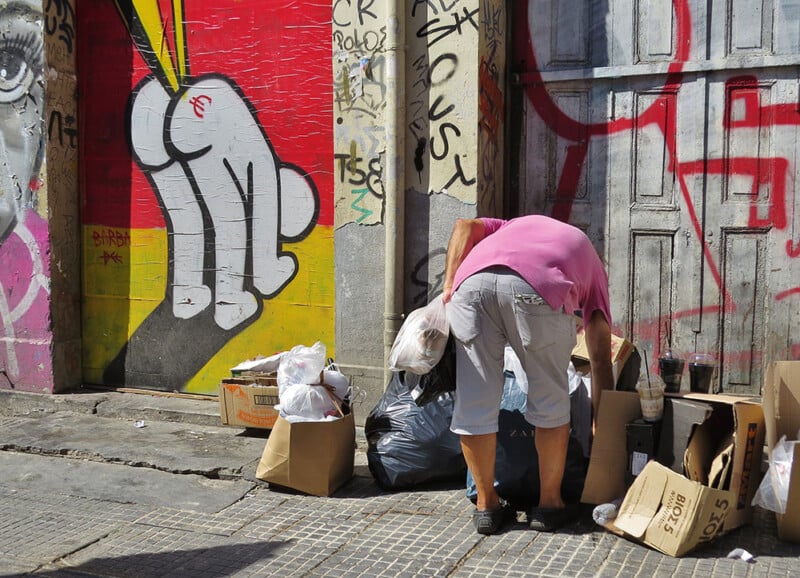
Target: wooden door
668,132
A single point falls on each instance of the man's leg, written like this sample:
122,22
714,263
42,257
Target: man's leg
479,453
551,446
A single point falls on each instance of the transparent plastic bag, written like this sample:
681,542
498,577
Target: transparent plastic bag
420,343
301,365
307,403
774,489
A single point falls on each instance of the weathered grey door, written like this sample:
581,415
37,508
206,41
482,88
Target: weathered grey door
668,132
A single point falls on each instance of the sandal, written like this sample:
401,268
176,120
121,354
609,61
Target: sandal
490,521
551,519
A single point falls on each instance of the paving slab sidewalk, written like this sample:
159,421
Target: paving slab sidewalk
83,491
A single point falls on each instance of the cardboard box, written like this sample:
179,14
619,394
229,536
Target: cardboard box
782,413
708,511
671,513
243,403
314,457
621,349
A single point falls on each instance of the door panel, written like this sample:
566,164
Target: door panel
668,132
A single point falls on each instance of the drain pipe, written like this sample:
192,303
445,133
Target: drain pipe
394,183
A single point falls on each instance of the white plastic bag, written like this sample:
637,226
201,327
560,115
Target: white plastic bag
774,489
420,343
301,365
338,381
306,403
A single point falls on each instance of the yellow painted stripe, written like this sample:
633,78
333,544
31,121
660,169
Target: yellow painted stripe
149,16
180,38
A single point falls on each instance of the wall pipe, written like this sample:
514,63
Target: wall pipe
394,182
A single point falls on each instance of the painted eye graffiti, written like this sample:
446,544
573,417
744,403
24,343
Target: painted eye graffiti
20,66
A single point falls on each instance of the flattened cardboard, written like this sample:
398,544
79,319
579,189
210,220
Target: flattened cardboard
782,412
314,457
605,479
704,512
671,513
703,446
621,349
246,405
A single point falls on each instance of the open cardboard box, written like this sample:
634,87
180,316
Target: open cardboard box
621,352
244,402
663,508
621,349
782,413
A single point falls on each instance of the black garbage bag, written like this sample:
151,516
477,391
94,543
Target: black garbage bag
409,445
517,463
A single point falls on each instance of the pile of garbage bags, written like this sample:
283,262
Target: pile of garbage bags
410,443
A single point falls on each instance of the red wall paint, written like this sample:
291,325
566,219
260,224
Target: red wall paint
278,54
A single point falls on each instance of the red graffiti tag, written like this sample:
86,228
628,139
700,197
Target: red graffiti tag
199,104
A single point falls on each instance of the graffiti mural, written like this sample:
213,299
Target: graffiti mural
24,268
734,196
231,196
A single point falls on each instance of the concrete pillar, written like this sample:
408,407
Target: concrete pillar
453,153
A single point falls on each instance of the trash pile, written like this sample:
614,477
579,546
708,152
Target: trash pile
311,443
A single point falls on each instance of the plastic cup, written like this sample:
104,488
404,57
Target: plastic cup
701,372
651,396
671,370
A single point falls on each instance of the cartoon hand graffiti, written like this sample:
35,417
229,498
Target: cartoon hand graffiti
219,181
208,160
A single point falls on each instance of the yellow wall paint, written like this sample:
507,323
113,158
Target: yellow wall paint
125,274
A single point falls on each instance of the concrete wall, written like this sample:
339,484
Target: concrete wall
207,165
452,139
39,322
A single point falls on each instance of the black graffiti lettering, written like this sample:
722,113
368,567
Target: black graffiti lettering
362,8
427,3
374,180
459,175
448,74
57,130
446,146
434,32
433,115
349,164
418,127
370,41
445,6
63,21
371,178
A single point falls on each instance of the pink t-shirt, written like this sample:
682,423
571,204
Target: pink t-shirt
555,258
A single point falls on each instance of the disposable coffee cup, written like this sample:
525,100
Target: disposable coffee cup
651,397
701,372
671,370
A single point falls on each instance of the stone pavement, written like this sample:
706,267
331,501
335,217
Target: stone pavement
102,483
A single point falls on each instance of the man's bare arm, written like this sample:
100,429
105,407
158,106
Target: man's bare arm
598,343
466,234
